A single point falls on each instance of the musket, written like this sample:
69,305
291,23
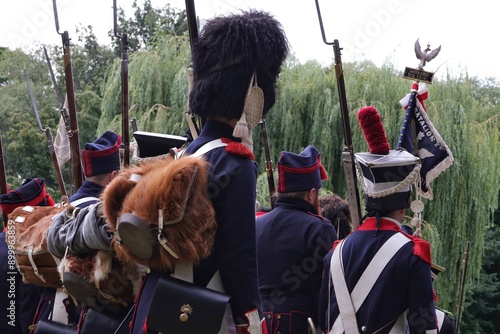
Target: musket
50,141
193,36
125,147
269,163
348,151
3,179
76,164
462,284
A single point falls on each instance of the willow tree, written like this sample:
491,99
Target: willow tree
157,88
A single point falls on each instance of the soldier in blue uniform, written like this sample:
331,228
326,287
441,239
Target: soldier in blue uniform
377,280
236,62
292,240
24,297
101,163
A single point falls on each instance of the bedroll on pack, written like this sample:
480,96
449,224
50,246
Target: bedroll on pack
33,260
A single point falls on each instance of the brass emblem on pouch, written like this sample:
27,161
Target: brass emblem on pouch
186,309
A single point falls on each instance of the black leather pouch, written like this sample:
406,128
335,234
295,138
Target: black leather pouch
180,307
53,327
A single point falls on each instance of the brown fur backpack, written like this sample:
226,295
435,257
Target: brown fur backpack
161,212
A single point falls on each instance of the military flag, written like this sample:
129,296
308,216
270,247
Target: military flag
419,137
61,143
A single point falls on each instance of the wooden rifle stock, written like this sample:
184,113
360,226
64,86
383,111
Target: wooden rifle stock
125,147
76,164
269,163
348,158
462,284
348,152
50,141
3,179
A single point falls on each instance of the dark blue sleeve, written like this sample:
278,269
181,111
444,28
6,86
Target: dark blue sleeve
320,243
323,293
421,312
233,189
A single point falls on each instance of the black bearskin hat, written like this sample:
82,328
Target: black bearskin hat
229,50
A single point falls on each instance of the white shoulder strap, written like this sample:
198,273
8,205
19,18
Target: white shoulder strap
368,278
83,200
184,271
346,308
207,147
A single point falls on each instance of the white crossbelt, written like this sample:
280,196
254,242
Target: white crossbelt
349,304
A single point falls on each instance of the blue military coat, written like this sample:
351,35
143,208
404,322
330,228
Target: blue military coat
405,282
292,241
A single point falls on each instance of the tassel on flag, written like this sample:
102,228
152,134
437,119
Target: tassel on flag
419,137
61,142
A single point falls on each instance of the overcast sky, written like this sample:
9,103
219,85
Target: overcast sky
377,30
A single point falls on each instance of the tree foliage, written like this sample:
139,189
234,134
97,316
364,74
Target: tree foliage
147,25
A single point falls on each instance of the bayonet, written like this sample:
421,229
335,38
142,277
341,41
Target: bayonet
50,141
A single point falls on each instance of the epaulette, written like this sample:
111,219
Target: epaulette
422,249
239,150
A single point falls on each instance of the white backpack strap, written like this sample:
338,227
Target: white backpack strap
184,271
369,276
440,318
346,308
208,147
83,200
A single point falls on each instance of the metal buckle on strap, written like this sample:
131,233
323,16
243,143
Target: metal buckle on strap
33,264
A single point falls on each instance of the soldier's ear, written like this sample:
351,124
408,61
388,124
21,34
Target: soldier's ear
312,194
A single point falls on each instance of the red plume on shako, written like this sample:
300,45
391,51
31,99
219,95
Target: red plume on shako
373,129
386,175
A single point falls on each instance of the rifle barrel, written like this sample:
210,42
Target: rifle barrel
193,36
125,103
269,163
76,164
348,152
462,284
3,179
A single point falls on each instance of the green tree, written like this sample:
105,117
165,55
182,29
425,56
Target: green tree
25,145
482,306
147,25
